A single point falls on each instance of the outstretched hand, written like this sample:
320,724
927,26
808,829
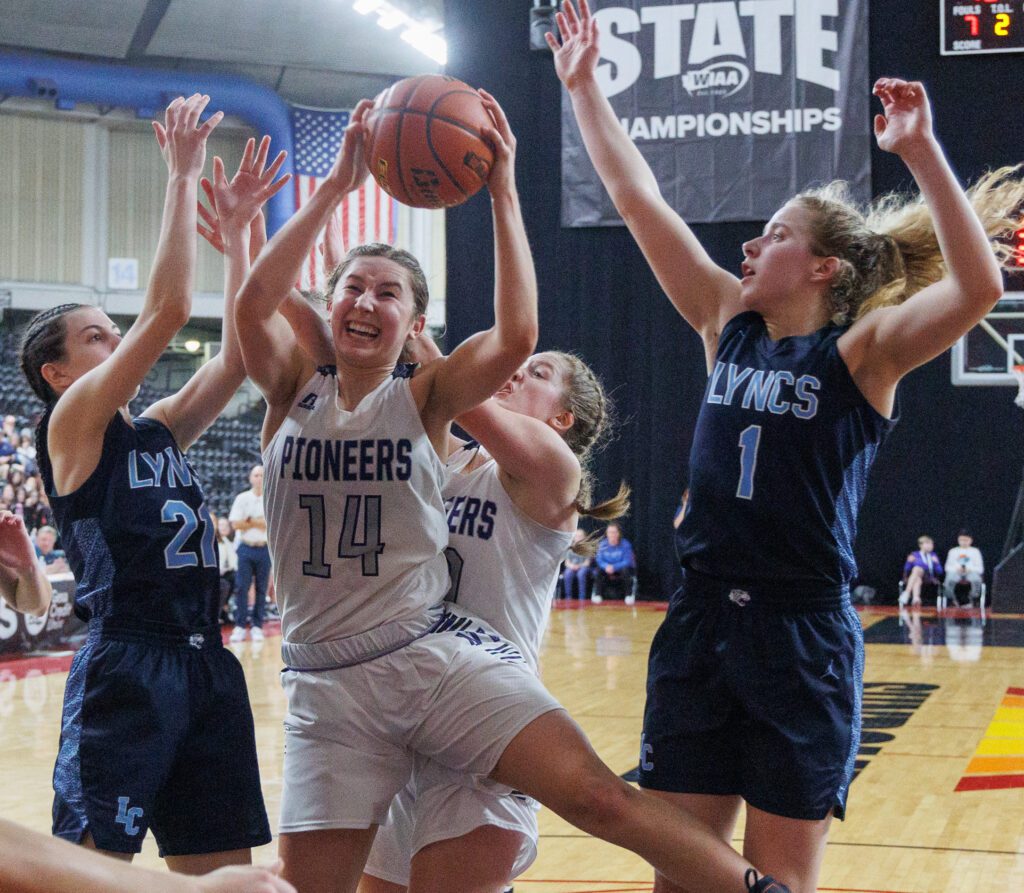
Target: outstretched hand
16,550
235,204
907,120
349,171
181,141
503,174
577,54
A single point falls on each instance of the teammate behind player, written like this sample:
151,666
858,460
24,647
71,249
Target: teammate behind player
754,683
513,503
377,670
157,730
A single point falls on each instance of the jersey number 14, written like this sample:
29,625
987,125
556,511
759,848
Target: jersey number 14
367,547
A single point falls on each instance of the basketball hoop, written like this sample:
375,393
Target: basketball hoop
1018,371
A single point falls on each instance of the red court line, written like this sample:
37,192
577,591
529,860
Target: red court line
990,783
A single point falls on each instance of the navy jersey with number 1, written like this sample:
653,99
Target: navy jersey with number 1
756,672
780,460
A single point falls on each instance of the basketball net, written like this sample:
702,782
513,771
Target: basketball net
1018,371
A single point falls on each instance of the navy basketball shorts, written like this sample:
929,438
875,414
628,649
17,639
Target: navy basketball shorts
158,733
755,695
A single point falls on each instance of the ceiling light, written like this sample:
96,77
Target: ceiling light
422,36
392,18
192,346
432,45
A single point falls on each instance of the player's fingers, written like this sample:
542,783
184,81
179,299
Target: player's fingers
250,149
211,122
275,188
584,12
552,41
161,134
271,171
563,27
261,156
220,179
570,16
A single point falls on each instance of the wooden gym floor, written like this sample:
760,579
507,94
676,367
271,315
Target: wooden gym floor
938,804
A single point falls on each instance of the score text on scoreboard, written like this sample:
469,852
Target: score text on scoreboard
987,26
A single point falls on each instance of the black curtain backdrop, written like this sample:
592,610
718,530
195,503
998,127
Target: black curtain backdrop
955,457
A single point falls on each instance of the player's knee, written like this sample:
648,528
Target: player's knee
601,805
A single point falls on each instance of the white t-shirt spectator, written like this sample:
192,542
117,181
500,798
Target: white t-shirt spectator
247,506
963,560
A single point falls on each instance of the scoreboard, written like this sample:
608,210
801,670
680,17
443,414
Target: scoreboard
986,26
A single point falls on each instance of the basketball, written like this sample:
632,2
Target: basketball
425,143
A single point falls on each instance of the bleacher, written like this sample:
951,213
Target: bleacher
222,456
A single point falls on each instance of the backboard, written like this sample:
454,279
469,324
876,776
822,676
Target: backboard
986,355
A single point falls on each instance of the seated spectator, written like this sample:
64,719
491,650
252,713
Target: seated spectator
50,557
8,454
36,511
576,570
26,451
964,567
921,568
228,565
615,566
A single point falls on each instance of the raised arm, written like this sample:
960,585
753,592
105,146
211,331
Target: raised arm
538,469
705,295
236,205
887,343
483,363
90,402
268,345
23,583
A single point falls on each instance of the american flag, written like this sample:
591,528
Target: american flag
367,215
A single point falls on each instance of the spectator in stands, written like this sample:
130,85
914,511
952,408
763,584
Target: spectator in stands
10,427
52,558
36,511
8,454
228,563
964,565
921,567
253,556
576,569
615,565
26,451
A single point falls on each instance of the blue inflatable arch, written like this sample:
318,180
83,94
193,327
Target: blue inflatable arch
147,91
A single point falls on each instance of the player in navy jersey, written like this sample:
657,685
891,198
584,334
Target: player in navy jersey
378,672
754,681
157,730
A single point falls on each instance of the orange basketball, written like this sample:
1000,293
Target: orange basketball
425,144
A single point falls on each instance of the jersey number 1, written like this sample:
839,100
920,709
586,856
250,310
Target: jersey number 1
750,440
368,548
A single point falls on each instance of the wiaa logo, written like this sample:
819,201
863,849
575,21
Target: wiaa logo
719,79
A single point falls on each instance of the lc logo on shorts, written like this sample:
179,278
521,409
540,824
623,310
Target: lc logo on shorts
127,817
646,753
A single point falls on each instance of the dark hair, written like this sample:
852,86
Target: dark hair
420,291
42,343
965,532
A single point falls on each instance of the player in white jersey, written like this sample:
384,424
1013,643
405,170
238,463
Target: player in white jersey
376,672
512,514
